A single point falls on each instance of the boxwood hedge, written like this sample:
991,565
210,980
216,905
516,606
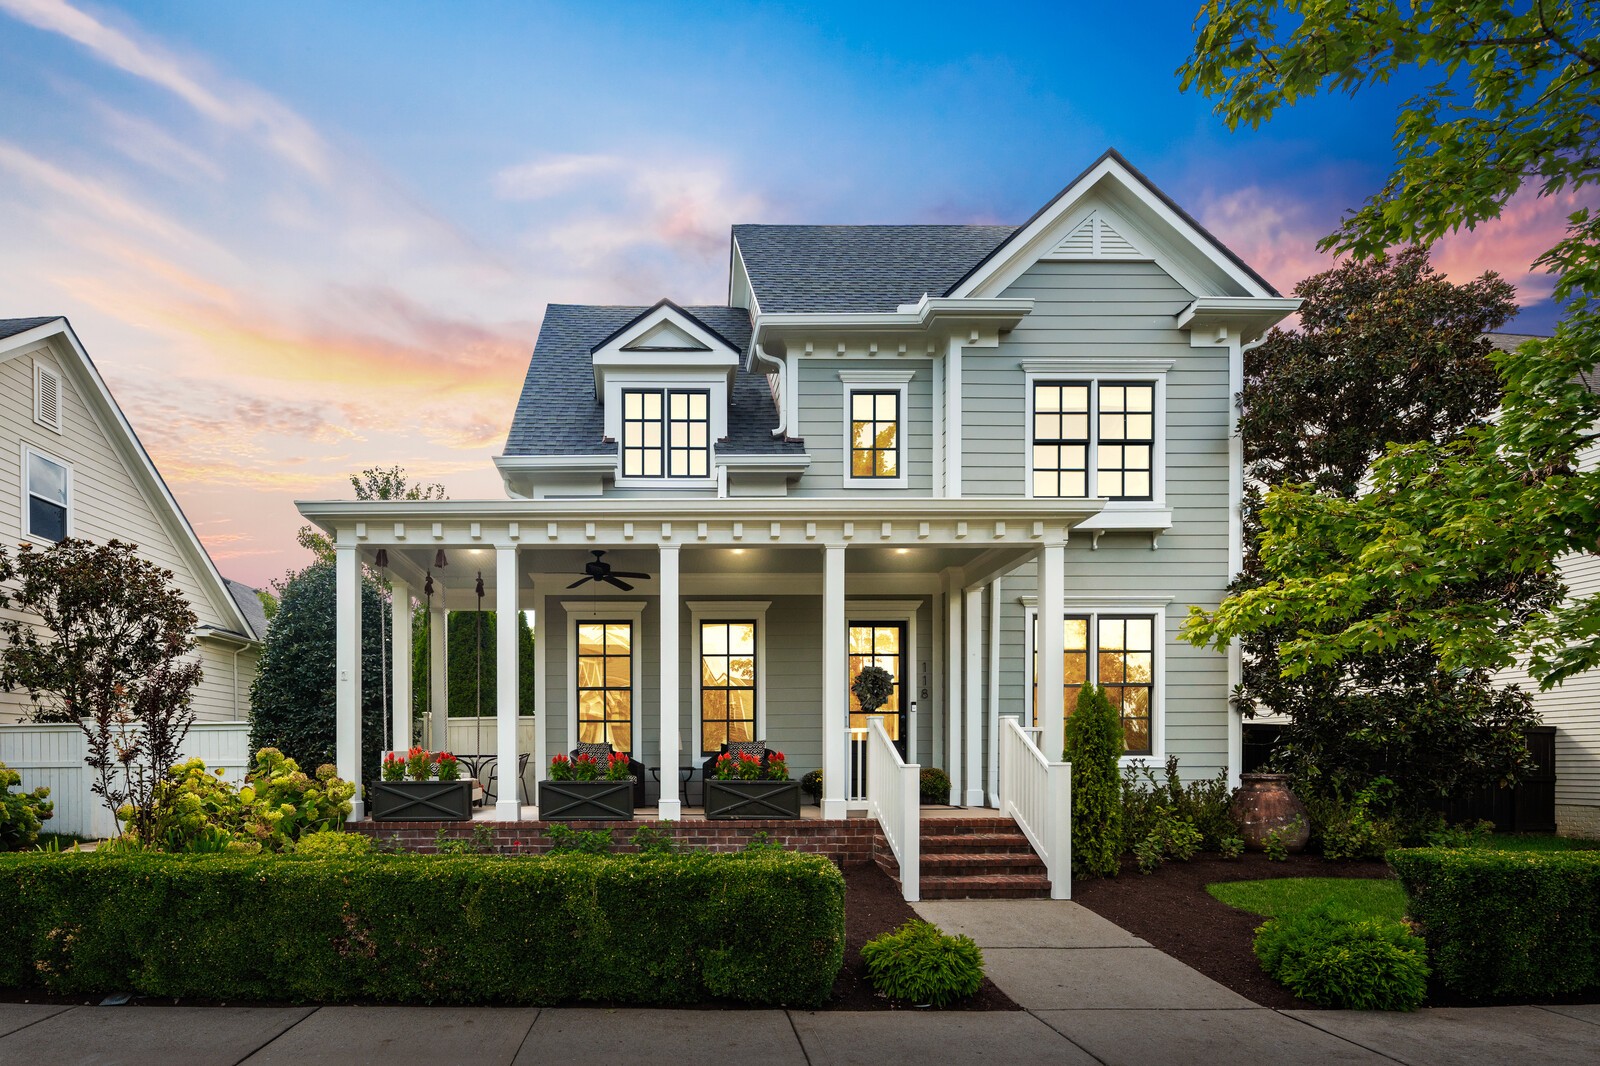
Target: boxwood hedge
761,928
1502,923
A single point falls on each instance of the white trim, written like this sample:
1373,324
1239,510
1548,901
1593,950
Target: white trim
28,451
897,382
1092,372
40,372
1094,607
605,611
728,611
954,419
893,611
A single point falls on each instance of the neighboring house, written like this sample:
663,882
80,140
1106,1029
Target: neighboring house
1573,707
70,465
930,447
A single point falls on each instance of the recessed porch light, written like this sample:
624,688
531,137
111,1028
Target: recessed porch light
902,551
737,551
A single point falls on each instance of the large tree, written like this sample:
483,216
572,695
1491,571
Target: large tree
1513,106
1386,351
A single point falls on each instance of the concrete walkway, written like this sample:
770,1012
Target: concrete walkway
1092,993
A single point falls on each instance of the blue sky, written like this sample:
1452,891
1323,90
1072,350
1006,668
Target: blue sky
300,239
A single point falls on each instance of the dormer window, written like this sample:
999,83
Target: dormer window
666,433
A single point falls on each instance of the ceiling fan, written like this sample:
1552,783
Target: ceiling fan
600,570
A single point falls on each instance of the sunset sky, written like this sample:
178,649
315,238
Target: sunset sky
300,239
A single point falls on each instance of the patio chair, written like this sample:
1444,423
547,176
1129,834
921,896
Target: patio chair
490,790
636,769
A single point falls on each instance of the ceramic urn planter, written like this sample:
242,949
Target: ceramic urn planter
1263,803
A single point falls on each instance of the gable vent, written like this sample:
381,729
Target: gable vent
46,397
1095,238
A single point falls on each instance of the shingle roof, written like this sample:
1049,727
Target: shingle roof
558,414
250,606
859,268
10,327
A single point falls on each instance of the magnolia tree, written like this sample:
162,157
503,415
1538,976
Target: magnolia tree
104,641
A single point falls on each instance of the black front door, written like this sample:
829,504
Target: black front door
881,644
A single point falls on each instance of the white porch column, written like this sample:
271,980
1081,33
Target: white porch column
347,667
439,678
835,707
400,629
541,700
508,805
958,690
668,807
1052,639
974,772
994,692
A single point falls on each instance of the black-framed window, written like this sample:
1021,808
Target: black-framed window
727,683
1124,663
880,644
1126,445
49,497
666,433
1061,438
874,433
605,683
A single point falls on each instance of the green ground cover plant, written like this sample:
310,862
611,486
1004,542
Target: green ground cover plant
1522,923
1288,896
921,964
764,929
1334,958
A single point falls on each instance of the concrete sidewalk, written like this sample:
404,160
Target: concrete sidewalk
1091,993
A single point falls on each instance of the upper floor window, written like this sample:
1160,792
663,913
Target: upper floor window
1094,438
48,496
875,434
666,433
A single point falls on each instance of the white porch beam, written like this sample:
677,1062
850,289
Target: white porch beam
347,664
953,715
834,708
439,678
974,716
668,806
1052,639
508,805
400,629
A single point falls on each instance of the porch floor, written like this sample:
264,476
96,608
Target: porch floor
809,812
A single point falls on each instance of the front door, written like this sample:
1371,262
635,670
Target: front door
881,644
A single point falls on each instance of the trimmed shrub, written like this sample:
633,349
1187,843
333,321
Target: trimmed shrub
1336,959
1502,923
1094,747
21,813
934,785
921,964
764,929
1146,803
326,843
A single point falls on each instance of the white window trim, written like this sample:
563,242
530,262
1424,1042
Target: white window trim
896,381
605,611
729,611
1094,371
892,611
717,398
28,451
1153,607
40,371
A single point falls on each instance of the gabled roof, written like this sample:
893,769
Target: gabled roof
859,268
652,309
21,335
558,413
249,605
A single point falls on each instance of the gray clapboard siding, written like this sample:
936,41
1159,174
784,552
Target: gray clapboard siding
821,423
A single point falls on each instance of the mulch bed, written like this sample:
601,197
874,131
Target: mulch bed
872,905
1173,911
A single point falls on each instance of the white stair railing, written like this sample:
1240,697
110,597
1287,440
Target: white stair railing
1037,794
894,800
855,789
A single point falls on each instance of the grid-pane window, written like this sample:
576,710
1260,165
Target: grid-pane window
605,684
875,434
1126,440
666,433
1124,663
878,644
47,498
1061,439
727,683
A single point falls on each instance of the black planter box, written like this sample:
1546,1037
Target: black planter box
752,799
421,801
575,801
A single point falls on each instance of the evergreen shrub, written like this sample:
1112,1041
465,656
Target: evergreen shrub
920,964
1335,959
1094,748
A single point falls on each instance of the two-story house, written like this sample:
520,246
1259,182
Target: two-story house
999,461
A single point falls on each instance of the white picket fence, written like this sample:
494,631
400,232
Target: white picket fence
52,755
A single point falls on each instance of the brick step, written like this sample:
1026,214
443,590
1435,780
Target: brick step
958,865
1012,843
968,826
986,886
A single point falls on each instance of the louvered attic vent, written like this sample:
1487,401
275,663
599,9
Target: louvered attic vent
1095,238
46,397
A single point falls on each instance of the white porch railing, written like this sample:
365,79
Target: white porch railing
893,799
1037,794
855,789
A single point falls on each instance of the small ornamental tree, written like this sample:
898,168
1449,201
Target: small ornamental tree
1094,748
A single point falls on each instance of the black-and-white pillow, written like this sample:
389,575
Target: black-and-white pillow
598,752
758,748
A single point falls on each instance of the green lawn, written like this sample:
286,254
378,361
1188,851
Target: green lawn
1379,897
1539,842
